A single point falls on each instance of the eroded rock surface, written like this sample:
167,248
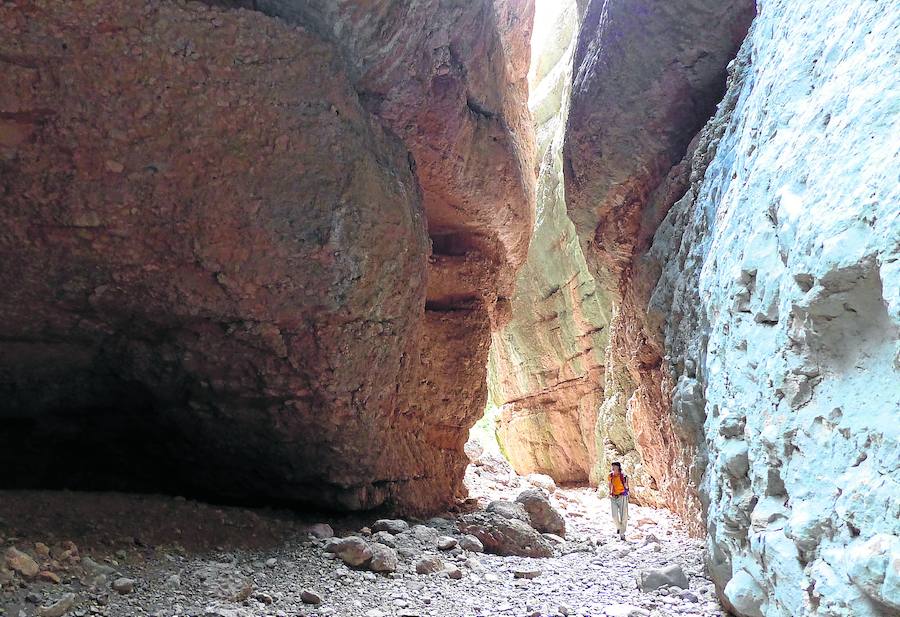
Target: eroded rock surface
647,77
546,364
217,266
779,295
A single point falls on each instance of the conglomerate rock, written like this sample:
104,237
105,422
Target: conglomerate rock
779,297
546,364
217,270
647,76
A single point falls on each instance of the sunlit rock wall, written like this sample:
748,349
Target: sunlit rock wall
780,293
546,364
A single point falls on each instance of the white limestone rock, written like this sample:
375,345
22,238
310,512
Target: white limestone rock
781,282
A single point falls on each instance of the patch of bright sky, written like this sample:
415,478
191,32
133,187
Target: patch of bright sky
546,14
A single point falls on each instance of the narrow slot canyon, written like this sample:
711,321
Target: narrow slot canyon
347,308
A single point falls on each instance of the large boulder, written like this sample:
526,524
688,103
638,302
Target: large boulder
543,516
504,536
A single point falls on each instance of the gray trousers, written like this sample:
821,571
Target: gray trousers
619,506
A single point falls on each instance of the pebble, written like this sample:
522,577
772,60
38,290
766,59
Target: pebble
308,596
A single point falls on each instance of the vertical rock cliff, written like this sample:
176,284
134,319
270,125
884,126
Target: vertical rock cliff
546,364
257,253
752,271
779,294
647,77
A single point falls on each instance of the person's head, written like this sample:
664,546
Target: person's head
617,468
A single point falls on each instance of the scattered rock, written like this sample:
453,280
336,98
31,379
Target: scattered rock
394,526
353,551
50,577
42,550
473,450
309,596
527,573
263,598
543,516
648,580
94,568
320,530
58,608
384,558
470,543
745,594
554,539
425,534
504,536
454,573
446,543
21,562
123,585
386,538
429,564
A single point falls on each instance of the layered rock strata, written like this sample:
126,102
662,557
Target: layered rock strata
647,77
546,364
217,268
779,299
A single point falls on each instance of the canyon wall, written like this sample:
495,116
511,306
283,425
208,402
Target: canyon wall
779,291
753,273
244,255
647,77
546,364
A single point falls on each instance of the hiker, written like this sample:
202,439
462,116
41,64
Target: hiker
618,498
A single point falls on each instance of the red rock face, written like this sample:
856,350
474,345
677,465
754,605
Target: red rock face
216,258
648,75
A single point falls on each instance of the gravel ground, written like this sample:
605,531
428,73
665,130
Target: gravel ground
179,557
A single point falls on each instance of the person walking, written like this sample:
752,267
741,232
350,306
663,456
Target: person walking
618,498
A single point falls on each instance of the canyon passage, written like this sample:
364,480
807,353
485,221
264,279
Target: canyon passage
346,307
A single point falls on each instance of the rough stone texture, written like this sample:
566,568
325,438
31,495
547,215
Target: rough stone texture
509,509
543,516
779,295
546,364
217,266
505,536
649,580
647,76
